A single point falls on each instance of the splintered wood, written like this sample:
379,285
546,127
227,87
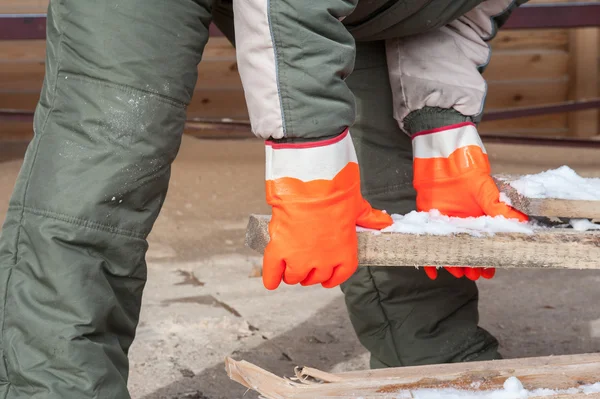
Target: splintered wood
568,377
548,207
548,248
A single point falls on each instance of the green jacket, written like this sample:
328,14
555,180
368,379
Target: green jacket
294,56
384,19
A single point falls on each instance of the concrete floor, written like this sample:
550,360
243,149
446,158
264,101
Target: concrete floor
200,304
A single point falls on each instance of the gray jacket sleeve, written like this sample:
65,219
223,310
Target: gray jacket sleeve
293,57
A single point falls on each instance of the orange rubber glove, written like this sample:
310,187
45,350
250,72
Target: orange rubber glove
452,175
314,192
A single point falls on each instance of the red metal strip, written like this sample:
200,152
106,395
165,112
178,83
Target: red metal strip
554,16
22,26
569,106
542,141
15,115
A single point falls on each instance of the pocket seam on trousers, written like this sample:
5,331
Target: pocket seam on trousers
4,358
80,222
128,89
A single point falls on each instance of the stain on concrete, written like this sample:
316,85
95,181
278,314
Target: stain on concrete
189,279
204,300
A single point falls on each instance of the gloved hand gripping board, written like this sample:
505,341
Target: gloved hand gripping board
553,238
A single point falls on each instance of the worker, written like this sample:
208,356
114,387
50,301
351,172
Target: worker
367,108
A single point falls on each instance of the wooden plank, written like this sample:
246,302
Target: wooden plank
216,103
584,49
548,207
19,76
21,100
22,51
548,248
508,94
553,372
16,131
527,64
539,39
544,125
23,6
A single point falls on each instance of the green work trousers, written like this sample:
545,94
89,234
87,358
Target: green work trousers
108,125
401,316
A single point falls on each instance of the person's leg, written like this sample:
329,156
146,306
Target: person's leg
119,75
400,315
222,16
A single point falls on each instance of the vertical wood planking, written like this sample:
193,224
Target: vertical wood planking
584,47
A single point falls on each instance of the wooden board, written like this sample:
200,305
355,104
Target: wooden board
585,72
548,207
525,65
548,248
15,131
517,93
23,6
553,372
543,125
531,39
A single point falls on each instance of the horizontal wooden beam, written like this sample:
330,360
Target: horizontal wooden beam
559,373
552,248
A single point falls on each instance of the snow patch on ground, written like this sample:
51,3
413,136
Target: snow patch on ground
562,183
583,225
513,389
434,223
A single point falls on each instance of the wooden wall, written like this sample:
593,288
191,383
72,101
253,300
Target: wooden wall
527,68
536,67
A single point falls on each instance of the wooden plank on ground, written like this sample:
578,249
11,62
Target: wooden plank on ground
558,373
548,248
549,207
